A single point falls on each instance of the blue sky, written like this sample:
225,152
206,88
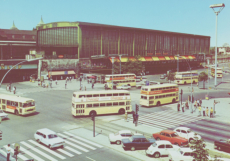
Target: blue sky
184,16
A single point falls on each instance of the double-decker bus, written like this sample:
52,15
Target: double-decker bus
121,79
101,102
185,77
17,105
156,95
219,72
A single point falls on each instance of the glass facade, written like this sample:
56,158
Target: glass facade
62,36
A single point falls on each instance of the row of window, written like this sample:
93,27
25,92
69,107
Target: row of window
124,81
120,76
13,103
102,95
102,104
157,89
186,78
159,96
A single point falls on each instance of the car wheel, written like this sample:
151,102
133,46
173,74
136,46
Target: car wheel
38,141
118,142
93,113
173,101
121,111
158,103
158,139
132,148
185,82
193,82
156,155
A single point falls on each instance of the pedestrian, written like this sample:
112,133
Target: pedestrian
207,111
126,116
8,149
134,117
211,113
195,105
65,85
186,104
61,77
200,102
203,110
14,90
70,79
136,121
10,88
85,88
92,85
183,107
178,107
199,110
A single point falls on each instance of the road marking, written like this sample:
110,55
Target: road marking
76,146
19,155
3,152
38,151
90,158
65,152
73,150
47,149
100,146
31,154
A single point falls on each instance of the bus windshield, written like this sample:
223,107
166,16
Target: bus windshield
28,104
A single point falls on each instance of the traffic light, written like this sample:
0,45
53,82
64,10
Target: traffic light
0,135
137,108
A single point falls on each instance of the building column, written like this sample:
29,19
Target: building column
101,42
119,40
133,43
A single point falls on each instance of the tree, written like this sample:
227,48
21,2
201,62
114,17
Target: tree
200,150
203,76
171,76
131,66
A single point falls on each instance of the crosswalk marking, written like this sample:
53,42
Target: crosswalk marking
3,152
19,155
166,119
90,147
31,154
73,150
47,149
38,151
65,152
87,141
76,146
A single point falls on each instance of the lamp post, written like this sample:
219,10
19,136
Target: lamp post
191,83
17,65
221,6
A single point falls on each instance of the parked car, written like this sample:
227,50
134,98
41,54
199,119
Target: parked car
171,136
161,148
124,87
123,134
182,154
186,133
3,115
137,142
222,145
49,138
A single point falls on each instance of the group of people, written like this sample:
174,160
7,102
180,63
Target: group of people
197,105
9,88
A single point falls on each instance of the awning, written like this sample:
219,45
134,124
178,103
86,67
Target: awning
61,72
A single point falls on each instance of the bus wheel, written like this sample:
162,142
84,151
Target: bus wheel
174,100
16,112
93,113
158,103
194,82
185,82
121,111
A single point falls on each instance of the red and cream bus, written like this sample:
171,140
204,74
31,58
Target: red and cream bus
156,95
121,79
219,72
17,105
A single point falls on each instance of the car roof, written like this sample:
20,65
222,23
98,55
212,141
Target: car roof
46,131
183,128
124,131
162,142
168,131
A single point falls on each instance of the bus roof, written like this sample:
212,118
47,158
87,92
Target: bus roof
120,74
160,85
14,98
100,92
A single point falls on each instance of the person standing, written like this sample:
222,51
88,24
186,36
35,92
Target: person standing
8,152
195,105
134,117
211,113
186,104
126,116
199,110
203,110
200,102
182,107
207,111
178,107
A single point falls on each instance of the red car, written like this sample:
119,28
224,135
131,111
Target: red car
171,136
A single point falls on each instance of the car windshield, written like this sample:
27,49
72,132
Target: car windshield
131,139
154,144
174,135
51,136
189,131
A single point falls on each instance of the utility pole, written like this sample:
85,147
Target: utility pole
93,119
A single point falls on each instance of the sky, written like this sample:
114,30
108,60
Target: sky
184,16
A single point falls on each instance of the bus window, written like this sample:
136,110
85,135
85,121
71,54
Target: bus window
102,95
96,105
102,104
121,94
96,95
89,105
8,103
127,102
121,103
109,94
108,104
127,94
4,101
80,96
115,103
115,94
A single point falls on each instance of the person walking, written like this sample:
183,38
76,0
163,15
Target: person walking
8,152
126,116
207,111
203,110
186,104
134,117
211,113
200,102
178,107
92,85
199,108
182,107
14,90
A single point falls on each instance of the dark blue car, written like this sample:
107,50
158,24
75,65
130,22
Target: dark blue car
137,142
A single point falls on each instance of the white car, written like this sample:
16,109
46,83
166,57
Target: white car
124,87
186,133
49,138
123,134
161,148
3,115
183,154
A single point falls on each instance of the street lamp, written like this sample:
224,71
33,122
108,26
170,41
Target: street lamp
17,65
221,7
191,82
